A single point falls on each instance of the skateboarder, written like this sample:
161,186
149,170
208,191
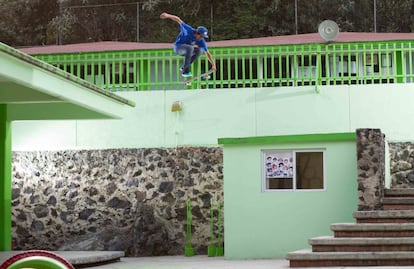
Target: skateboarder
190,43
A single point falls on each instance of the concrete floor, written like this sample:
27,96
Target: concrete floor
175,262
195,262
204,262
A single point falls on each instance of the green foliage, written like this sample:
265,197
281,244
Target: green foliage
36,22
24,22
61,26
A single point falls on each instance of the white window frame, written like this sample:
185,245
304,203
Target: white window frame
293,151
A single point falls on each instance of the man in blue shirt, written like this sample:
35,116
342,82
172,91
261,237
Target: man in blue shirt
190,43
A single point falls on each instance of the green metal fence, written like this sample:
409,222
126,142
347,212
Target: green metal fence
255,66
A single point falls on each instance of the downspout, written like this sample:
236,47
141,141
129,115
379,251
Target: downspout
5,180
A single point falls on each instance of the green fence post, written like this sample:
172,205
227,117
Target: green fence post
188,250
220,247
211,249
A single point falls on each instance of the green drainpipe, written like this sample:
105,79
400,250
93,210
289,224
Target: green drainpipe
188,250
5,180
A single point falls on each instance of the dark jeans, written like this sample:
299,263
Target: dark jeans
190,53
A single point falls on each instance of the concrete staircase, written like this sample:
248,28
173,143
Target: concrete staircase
378,238
398,199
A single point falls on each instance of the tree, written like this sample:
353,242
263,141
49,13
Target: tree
394,15
36,22
61,25
24,22
88,21
363,16
280,17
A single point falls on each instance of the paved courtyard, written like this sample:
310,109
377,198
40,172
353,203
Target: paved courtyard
203,262
174,262
196,262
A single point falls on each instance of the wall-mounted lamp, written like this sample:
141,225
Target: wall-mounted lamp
176,106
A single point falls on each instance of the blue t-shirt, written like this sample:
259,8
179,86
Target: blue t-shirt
186,36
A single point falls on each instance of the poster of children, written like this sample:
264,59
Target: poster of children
279,165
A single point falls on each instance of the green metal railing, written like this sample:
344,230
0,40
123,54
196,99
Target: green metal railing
255,66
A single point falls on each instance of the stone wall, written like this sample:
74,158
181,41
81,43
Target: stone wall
120,199
402,164
370,168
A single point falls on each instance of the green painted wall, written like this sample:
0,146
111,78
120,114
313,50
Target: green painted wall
210,114
269,224
262,224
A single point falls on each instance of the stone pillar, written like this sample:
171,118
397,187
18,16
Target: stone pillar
5,180
370,168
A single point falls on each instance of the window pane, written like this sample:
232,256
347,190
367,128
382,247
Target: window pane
279,183
309,170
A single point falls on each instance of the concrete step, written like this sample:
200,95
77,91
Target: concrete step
398,203
405,192
372,229
307,258
332,244
384,216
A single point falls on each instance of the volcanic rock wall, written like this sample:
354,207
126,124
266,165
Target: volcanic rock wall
402,164
118,199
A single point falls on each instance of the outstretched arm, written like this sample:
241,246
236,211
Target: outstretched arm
211,60
166,15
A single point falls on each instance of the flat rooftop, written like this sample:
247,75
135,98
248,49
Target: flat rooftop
313,38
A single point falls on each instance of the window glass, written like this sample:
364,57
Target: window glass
309,170
293,170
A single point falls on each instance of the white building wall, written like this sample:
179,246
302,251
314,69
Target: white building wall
211,114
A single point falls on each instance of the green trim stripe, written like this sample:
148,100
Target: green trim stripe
282,139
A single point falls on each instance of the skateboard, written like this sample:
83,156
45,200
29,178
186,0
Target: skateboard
191,79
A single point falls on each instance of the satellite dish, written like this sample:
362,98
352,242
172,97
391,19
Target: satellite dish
328,30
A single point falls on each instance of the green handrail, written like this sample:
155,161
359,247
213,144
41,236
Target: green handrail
254,66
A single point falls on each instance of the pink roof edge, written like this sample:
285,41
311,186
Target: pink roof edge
260,41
